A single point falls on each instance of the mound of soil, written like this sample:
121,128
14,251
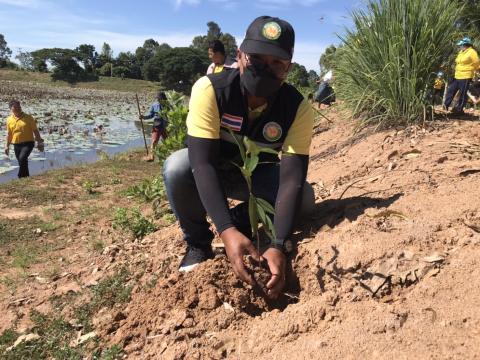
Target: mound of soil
386,266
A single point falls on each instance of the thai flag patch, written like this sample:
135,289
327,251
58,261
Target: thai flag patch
232,122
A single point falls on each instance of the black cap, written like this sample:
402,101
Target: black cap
269,36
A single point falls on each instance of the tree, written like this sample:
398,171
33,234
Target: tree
25,59
5,52
327,61
298,75
65,64
148,50
105,57
107,52
177,68
312,78
126,63
214,33
88,56
470,18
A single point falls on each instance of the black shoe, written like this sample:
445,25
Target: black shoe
457,112
195,256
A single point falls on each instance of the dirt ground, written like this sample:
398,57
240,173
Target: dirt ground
387,266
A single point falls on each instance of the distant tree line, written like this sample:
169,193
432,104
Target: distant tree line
175,67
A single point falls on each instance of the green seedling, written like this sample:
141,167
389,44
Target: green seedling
259,210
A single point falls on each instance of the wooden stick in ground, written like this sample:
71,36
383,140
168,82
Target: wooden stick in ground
141,121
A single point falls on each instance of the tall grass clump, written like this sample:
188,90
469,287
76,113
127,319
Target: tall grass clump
387,64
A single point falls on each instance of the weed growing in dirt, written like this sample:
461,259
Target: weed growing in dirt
134,222
49,227
9,283
89,186
24,257
112,353
97,245
148,190
108,292
54,342
55,336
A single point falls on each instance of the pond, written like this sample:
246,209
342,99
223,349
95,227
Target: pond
78,126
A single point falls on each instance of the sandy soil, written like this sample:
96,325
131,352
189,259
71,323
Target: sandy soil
387,266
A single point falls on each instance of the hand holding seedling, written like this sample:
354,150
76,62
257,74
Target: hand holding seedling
236,246
259,211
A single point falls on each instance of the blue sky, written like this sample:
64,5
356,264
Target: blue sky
35,24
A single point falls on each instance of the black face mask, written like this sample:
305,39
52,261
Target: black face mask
260,81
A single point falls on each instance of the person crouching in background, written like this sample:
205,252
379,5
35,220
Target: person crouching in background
22,132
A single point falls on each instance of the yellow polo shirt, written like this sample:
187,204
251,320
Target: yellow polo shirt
203,120
21,129
467,63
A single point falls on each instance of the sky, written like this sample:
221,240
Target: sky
34,24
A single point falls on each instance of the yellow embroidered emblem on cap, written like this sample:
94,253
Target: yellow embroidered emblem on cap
271,30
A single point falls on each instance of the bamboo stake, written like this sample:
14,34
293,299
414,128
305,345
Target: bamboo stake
141,121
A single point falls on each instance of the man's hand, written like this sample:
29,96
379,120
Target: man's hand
237,245
276,263
7,150
140,117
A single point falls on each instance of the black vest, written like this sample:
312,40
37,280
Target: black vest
269,130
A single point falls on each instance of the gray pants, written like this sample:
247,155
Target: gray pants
189,210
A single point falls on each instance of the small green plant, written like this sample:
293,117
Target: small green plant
97,245
114,352
176,114
134,221
108,292
148,189
24,257
89,186
259,210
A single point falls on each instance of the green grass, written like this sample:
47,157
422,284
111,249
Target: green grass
56,336
108,292
24,256
105,83
388,61
132,221
14,232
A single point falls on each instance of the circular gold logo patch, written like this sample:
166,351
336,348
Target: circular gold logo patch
272,131
271,30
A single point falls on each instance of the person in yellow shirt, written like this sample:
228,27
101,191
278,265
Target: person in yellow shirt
22,132
253,101
220,61
467,62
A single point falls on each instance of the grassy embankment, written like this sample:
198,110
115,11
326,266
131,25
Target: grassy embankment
104,83
54,226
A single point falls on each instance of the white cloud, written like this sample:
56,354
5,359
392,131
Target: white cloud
179,3
22,3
